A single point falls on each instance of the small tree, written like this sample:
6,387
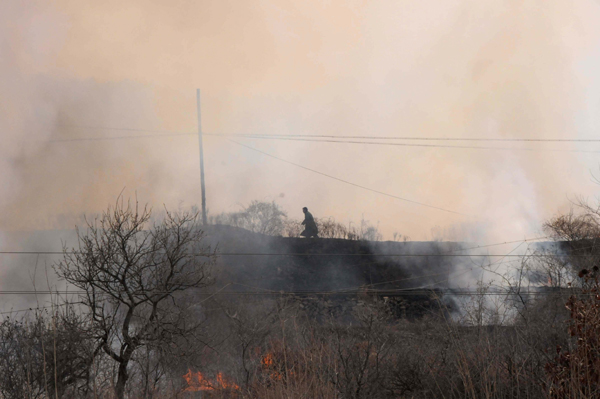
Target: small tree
264,217
369,232
132,276
259,217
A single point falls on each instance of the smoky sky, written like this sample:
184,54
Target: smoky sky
474,69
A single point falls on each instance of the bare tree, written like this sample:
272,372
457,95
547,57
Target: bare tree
578,236
132,275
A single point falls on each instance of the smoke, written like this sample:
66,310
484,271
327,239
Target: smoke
494,69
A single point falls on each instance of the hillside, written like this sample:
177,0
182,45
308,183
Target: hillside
298,264
328,267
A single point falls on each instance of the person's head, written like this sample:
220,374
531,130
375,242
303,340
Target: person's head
305,209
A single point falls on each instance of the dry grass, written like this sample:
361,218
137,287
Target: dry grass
274,349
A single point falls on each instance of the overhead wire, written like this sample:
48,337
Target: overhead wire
412,278
34,308
354,290
290,137
407,291
324,140
285,137
420,145
440,254
320,138
414,138
322,174
315,136
401,255
444,272
471,269
359,290
346,181
497,244
445,252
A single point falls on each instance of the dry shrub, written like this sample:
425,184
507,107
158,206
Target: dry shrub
373,355
268,348
259,217
575,372
330,228
46,355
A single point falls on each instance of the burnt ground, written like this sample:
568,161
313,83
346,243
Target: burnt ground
325,268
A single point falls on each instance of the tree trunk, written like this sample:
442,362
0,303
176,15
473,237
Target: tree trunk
121,380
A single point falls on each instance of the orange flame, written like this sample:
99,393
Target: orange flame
268,364
267,361
197,382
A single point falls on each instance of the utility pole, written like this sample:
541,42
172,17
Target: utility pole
201,159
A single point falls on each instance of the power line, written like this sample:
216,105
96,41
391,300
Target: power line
404,255
293,138
449,252
336,139
454,250
399,255
401,291
466,270
141,136
500,243
347,291
36,308
256,135
129,129
419,145
346,181
416,138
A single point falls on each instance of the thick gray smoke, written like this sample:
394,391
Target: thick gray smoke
469,69
493,69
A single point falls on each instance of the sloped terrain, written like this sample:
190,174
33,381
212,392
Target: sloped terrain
336,270
300,264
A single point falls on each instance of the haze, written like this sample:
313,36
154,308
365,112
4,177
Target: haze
473,69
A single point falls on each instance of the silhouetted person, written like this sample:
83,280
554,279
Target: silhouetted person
310,227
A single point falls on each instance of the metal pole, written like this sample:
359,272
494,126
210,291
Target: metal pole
201,159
